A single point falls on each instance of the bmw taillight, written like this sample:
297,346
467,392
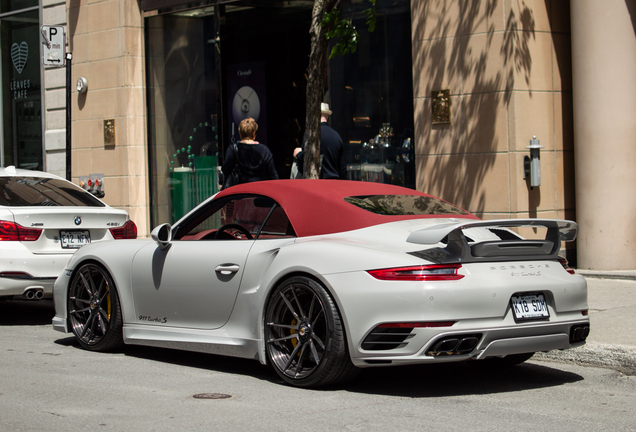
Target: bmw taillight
126,231
566,265
10,231
436,272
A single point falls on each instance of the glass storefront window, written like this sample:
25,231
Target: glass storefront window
261,60
263,77
371,93
182,112
14,5
21,110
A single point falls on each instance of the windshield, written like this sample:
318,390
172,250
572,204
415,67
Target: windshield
38,191
405,205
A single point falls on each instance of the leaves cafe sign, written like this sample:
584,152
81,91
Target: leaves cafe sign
19,56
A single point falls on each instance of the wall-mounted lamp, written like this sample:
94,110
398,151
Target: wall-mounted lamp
82,85
532,163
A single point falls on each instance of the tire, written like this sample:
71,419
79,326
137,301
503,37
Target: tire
93,309
304,335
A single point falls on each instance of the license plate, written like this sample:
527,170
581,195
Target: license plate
527,307
75,239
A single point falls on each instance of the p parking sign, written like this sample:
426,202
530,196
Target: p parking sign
53,41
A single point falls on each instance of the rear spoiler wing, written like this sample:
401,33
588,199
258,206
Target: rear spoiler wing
458,250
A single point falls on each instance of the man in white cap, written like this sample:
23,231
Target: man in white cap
331,150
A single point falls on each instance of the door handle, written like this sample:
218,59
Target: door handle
227,269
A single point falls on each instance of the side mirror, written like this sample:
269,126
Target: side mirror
162,235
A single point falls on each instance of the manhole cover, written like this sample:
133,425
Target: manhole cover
212,396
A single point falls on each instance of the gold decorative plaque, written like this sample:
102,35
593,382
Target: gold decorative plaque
441,106
109,133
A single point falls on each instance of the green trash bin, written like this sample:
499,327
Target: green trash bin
191,186
206,177
181,191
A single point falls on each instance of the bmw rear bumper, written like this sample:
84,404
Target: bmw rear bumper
20,286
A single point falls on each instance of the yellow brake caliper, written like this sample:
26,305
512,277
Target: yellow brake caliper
292,331
108,302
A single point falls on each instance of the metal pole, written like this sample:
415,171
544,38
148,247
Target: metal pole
221,107
69,57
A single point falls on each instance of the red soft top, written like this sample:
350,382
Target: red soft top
317,207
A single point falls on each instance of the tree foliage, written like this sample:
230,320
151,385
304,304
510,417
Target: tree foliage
344,30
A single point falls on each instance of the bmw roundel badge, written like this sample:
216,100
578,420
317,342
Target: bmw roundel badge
78,220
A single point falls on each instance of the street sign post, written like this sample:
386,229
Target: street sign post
54,53
53,40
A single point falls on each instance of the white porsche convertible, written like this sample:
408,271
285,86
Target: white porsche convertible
319,278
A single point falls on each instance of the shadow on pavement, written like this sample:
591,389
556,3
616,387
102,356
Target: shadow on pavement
26,312
191,359
456,379
424,381
211,362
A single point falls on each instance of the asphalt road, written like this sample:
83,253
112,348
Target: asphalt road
47,383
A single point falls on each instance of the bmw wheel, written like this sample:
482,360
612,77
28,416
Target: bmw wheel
305,338
93,309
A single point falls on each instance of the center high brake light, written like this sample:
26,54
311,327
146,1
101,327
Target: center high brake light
126,231
436,272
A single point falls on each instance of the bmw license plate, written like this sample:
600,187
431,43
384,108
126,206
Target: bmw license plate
75,239
527,307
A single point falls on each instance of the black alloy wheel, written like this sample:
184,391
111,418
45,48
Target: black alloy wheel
304,335
93,309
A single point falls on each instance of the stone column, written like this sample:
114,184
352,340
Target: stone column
604,93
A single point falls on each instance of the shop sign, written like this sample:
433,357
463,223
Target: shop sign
19,88
19,56
246,82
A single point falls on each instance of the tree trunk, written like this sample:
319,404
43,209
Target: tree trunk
315,80
316,74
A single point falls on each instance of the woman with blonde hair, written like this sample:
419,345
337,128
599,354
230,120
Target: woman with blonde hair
248,160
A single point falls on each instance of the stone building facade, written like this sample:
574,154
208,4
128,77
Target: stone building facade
556,70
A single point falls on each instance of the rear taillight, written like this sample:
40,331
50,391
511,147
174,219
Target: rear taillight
437,272
566,265
126,231
418,324
16,275
10,231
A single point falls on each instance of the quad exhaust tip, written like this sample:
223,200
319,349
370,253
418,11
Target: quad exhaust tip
454,345
579,333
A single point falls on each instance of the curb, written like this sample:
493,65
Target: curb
604,276
613,274
618,357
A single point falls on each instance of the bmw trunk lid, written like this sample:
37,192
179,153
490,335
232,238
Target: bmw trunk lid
65,229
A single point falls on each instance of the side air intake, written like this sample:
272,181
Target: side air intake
387,338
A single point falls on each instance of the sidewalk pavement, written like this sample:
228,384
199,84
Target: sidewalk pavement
612,339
